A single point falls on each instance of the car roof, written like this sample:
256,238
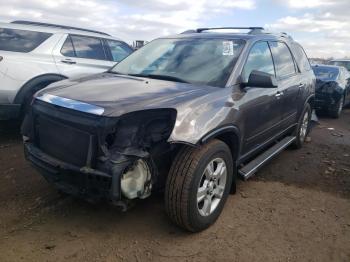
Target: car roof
54,29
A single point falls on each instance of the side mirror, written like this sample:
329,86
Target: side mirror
261,79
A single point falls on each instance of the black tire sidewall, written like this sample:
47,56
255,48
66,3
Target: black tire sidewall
335,112
298,143
198,221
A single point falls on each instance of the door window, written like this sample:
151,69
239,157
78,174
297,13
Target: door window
88,47
118,50
259,59
67,48
283,58
301,58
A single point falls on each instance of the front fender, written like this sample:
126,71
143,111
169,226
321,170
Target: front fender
200,117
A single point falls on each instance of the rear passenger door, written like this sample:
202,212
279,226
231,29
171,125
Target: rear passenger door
289,82
82,55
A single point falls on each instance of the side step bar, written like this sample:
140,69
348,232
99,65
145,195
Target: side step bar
252,167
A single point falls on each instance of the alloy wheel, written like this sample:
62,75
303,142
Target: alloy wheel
211,186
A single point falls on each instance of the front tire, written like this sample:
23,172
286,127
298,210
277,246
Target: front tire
198,185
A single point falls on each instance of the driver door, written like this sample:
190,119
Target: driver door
261,110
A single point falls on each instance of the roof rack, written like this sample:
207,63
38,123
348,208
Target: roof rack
22,22
253,30
284,34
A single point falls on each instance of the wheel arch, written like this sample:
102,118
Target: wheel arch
32,83
230,135
310,100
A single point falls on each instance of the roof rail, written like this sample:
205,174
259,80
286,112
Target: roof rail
253,30
22,22
284,34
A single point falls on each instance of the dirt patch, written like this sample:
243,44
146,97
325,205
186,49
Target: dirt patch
297,208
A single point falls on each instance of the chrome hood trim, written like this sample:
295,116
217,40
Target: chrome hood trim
71,104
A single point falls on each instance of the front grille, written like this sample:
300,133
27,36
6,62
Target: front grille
64,142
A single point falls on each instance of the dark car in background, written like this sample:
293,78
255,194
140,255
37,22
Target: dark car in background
185,113
332,89
341,62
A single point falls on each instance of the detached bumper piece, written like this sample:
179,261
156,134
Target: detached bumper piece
86,183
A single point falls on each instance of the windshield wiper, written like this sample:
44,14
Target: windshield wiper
161,77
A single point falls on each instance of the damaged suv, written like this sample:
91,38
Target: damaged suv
186,114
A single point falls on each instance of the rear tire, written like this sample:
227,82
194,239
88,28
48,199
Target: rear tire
303,127
335,112
198,185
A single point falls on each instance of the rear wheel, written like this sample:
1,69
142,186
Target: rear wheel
198,185
303,127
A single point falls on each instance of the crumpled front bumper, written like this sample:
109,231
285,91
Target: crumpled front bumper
87,183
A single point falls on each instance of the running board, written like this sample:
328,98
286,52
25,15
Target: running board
252,167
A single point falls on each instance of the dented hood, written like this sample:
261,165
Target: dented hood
118,94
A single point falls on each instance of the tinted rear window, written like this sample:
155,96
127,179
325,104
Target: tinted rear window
326,73
301,58
283,59
88,47
21,40
118,50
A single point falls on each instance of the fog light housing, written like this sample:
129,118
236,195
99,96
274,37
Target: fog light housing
136,182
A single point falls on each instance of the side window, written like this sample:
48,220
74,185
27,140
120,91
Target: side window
283,59
118,50
23,41
259,59
67,48
88,47
301,58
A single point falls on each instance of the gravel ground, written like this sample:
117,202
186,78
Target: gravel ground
297,208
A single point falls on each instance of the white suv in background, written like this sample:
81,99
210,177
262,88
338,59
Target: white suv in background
34,55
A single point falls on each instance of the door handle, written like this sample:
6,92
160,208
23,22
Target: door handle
68,61
279,94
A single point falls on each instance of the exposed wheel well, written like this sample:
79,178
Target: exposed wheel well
230,139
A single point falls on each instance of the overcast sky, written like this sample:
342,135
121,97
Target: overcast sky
321,26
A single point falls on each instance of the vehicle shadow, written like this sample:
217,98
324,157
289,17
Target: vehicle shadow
10,130
322,164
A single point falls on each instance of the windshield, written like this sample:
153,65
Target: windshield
195,61
326,73
345,64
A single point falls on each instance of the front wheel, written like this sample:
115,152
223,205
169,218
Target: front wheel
303,127
198,185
